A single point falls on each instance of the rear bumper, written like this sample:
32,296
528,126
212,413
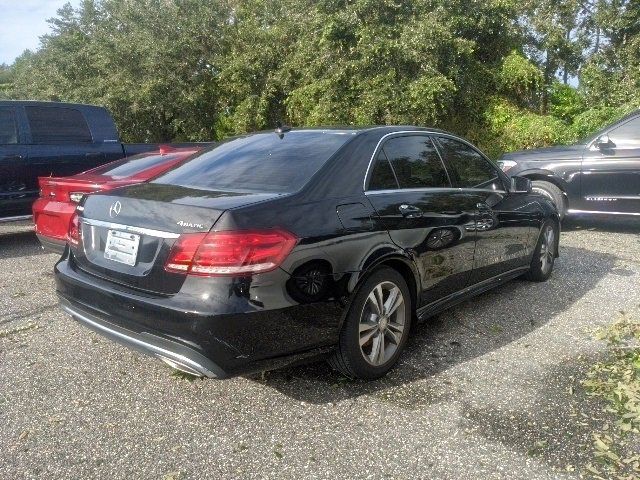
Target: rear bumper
51,219
51,244
205,337
173,353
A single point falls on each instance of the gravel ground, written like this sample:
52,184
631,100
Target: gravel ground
490,389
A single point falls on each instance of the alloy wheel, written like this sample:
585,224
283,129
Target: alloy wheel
547,249
382,323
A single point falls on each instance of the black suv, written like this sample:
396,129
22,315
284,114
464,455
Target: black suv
600,175
274,248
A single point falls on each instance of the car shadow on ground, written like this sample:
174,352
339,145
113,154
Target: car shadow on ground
472,329
603,223
20,244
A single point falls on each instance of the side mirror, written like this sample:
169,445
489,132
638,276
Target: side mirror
603,142
520,185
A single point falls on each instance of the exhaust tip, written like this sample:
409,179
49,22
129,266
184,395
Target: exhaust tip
180,366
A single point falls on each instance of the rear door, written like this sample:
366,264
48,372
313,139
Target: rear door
411,191
504,221
13,196
611,173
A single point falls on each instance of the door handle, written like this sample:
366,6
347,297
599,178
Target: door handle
12,158
410,211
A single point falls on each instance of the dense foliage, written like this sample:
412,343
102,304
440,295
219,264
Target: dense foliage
496,71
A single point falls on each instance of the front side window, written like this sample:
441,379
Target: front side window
626,135
51,125
8,127
415,162
468,167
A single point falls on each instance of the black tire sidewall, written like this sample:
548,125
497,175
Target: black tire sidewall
535,272
554,192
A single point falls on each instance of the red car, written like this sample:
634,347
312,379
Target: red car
59,195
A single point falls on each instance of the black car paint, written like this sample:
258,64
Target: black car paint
594,179
23,162
251,323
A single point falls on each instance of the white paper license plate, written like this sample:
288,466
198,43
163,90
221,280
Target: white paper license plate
122,247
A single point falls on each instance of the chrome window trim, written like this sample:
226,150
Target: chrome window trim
409,190
433,190
382,139
128,228
428,133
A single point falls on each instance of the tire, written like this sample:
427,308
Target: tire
553,193
544,255
364,331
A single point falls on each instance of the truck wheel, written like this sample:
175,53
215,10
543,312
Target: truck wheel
376,328
552,192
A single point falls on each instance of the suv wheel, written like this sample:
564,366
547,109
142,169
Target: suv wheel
376,328
553,193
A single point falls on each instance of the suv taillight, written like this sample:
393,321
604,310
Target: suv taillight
230,253
74,234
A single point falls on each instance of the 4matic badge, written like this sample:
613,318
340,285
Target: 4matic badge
189,225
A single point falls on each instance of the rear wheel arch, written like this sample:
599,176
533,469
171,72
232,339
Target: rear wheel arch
403,265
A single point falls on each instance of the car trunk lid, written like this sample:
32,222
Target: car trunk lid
127,234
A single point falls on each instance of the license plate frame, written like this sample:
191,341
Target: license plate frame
122,247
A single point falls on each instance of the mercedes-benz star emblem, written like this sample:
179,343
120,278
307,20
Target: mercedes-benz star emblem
115,208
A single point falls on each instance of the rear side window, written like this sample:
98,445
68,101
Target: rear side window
415,162
130,166
468,167
57,125
261,162
382,176
8,128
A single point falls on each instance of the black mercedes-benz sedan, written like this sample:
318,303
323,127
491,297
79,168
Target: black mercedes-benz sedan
281,247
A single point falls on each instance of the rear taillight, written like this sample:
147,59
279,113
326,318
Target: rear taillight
74,233
75,197
230,253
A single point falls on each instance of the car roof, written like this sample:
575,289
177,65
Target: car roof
350,129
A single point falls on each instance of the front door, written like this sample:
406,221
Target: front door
13,197
504,221
611,172
411,191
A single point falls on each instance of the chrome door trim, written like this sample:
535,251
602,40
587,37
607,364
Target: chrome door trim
571,210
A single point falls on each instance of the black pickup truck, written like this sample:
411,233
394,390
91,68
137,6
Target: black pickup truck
39,139
598,176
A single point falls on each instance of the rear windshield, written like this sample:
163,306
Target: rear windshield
261,162
133,165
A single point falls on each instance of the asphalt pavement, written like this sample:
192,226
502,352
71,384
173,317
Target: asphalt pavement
487,390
